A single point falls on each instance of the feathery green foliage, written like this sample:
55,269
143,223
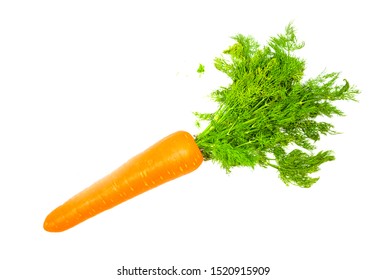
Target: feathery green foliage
268,108
201,69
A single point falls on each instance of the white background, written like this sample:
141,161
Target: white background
85,85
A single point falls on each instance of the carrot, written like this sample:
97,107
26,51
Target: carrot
268,116
168,159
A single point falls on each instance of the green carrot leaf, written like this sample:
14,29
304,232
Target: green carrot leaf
201,69
269,115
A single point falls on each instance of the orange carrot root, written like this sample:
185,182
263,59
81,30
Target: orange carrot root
174,156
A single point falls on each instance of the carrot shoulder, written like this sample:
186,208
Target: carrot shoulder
168,159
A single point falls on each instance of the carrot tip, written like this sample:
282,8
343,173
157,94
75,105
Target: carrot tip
49,226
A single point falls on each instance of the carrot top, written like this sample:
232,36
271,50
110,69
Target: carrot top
269,115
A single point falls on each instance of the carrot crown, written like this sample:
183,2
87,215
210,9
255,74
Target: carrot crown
269,115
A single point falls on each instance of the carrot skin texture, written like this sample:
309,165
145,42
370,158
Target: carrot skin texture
172,157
